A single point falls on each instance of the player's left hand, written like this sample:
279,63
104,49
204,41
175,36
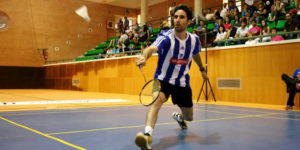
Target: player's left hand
204,75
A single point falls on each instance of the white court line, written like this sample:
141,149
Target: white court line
62,102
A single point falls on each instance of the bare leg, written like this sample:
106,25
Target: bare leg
154,109
187,113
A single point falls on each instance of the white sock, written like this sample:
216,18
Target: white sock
179,118
149,130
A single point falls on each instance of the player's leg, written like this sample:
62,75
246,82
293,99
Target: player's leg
183,98
144,140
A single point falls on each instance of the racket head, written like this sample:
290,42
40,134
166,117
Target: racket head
150,92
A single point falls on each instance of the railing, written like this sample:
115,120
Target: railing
259,36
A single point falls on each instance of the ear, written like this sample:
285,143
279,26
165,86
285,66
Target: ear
189,22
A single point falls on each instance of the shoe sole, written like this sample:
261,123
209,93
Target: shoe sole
141,142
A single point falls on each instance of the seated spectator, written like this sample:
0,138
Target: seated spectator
268,4
242,32
224,11
132,47
254,30
231,6
237,22
209,15
201,28
137,27
221,35
227,24
290,26
252,41
249,2
276,37
291,87
244,12
124,40
279,7
273,15
255,17
262,12
217,25
144,33
265,30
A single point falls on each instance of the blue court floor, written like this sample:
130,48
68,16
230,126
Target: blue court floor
215,127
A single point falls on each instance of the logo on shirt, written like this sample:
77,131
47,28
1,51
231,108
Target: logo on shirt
179,61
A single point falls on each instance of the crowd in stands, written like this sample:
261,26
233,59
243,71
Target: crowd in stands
260,19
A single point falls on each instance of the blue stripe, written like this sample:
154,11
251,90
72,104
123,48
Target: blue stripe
172,66
188,45
162,53
187,77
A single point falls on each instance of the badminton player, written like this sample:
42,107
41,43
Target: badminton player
176,48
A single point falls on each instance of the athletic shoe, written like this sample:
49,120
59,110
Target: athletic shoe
288,107
143,140
182,123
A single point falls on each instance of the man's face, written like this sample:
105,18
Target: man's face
180,20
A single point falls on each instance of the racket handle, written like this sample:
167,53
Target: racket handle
141,68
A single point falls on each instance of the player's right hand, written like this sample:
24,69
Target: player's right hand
140,60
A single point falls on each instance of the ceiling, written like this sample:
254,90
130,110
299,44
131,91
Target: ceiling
136,4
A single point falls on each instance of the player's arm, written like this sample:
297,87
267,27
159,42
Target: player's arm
147,53
198,61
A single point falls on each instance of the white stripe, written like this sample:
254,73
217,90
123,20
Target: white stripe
166,62
193,45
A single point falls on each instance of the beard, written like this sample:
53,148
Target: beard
179,28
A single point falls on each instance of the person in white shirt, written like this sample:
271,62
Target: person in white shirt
221,35
224,11
242,32
249,2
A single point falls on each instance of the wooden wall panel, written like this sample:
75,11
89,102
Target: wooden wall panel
259,68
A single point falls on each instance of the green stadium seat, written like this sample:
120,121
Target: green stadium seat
271,25
280,24
155,31
210,26
190,29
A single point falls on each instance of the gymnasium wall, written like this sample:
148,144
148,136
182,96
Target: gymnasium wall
259,69
21,77
51,23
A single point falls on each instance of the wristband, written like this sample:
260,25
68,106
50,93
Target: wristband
202,69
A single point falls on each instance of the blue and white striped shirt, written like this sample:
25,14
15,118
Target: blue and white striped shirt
175,57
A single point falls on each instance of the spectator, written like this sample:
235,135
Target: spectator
279,7
249,2
150,27
221,35
273,16
290,25
268,4
255,17
276,37
126,24
227,24
237,22
217,25
254,30
231,6
209,15
262,12
291,87
201,28
137,27
132,47
144,33
124,40
120,25
265,30
224,11
242,32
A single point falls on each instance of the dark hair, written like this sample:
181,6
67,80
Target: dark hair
188,11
